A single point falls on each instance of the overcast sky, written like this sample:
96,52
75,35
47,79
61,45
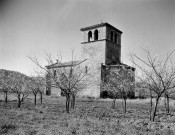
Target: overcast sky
30,27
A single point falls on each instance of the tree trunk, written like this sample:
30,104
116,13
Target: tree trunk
41,98
168,105
5,96
67,102
73,102
113,103
19,101
151,105
165,102
48,91
125,105
35,98
155,109
22,100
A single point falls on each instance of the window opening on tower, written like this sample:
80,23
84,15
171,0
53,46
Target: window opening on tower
89,36
96,35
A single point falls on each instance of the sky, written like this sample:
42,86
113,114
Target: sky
33,27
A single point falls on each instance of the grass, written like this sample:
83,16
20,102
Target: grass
90,116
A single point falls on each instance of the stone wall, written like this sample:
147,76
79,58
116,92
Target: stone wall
113,48
113,53
94,52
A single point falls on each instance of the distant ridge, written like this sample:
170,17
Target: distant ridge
5,73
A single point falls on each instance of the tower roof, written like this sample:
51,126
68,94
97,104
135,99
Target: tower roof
100,25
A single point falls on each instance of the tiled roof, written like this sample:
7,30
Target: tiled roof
120,64
65,64
100,25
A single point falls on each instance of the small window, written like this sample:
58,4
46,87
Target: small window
89,36
115,39
96,35
112,34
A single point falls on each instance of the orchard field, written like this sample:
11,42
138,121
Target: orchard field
90,116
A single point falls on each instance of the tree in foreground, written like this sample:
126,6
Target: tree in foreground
71,81
41,83
20,87
127,84
119,83
113,90
36,85
13,82
158,75
70,78
5,84
168,94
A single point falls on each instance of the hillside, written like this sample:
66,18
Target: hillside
5,73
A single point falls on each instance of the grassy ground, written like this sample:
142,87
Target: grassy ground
89,117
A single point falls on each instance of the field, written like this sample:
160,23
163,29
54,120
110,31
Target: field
91,116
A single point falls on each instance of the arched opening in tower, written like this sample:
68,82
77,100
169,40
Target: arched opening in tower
96,35
89,36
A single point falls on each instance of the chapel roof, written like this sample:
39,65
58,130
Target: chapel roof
100,25
65,64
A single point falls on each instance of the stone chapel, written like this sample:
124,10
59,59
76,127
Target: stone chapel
101,48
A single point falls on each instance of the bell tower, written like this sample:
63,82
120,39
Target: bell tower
102,42
101,46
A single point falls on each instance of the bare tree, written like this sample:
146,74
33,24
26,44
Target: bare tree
33,87
68,77
71,83
79,77
20,88
127,83
5,84
113,90
36,85
168,95
119,82
41,82
159,75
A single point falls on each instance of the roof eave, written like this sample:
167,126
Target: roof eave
100,25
